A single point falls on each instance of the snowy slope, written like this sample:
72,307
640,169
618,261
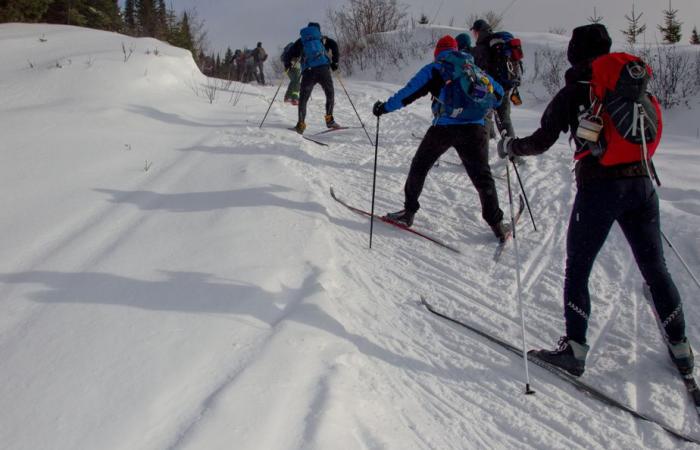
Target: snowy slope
221,299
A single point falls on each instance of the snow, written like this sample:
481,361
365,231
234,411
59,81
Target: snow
222,299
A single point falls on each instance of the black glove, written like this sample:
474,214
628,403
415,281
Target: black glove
334,66
504,147
378,109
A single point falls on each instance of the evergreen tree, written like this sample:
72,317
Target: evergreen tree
146,18
672,29
423,19
162,20
694,38
595,18
183,36
23,10
634,29
130,16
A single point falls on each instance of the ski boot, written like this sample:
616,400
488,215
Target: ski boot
402,217
300,127
682,356
330,122
501,230
569,356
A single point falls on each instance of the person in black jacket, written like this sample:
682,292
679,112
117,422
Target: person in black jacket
316,68
621,193
482,56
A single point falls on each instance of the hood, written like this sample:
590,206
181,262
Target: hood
588,42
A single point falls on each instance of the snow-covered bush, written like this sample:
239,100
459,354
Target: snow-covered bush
548,67
676,73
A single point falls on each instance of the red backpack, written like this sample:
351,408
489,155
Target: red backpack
630,117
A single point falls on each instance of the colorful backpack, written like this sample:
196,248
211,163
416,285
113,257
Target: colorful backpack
623,124
506,55
314,51
468,93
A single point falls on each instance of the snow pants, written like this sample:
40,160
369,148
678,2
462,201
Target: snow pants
503,112
634,205
471,143
309,78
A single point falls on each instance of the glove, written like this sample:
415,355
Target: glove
504,147
378,109
334,66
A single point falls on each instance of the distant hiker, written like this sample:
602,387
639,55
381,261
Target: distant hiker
613,185
316,66
294,74
464,43
238,67
499,54
249,71
259,58
464,94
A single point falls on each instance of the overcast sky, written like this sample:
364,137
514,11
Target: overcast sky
239,23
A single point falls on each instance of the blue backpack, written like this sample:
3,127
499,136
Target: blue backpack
468,93
314,51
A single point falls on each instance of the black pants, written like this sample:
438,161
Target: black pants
632,203
471,144
309,78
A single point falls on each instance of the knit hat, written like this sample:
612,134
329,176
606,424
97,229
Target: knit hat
445,43
480,25
464,41
314,24
588,42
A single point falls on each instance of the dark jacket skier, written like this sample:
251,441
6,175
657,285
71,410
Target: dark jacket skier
621,193
461,127
319,55
259,57
482,55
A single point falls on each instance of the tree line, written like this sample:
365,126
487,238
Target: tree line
141,18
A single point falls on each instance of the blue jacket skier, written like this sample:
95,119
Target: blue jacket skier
463,94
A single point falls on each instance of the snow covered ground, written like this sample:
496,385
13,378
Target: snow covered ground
174,277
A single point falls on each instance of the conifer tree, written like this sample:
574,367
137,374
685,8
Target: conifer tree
694,38
595,18
634,28
23,10
671,32
146,17
130,16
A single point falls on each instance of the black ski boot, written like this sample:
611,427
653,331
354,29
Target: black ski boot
402,217
682,356
569,356
501,230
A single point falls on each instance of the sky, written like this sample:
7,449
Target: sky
239,23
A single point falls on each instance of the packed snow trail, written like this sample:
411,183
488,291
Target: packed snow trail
223,298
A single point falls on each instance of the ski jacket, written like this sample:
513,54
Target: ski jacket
481,51
428,80
297,51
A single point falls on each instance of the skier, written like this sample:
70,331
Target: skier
485,59
237,67
458,123
316,65
621,193
294,74
259,58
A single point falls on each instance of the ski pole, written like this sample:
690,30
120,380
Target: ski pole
528,391
374,183
337,76
504,133
273,98
645,154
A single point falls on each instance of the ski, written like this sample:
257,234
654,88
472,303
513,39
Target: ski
395,224
323,144
330,130
562,375
689,381
502,245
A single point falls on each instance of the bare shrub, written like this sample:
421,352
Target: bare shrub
676,74
549,67
127,52
561,31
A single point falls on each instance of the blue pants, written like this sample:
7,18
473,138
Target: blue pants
632,203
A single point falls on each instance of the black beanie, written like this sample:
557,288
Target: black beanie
314,24
588,42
